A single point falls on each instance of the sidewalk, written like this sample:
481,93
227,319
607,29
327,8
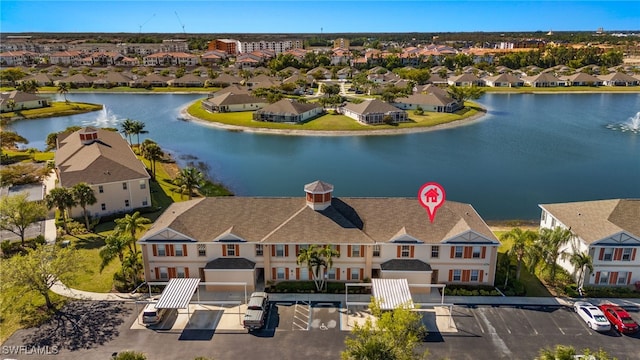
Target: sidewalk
63,290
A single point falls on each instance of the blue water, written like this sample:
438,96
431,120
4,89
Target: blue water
529,149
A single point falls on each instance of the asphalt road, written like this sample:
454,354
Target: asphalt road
298,331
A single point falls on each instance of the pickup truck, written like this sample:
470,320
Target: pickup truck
257,310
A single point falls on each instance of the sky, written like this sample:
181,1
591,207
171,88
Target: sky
306,16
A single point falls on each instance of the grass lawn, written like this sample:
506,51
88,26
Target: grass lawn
329,122
57,108
24,156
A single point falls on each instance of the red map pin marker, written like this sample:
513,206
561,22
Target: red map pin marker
431,196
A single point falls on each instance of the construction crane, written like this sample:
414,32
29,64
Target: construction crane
180,21
145,23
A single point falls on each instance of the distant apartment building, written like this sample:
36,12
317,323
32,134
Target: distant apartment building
170,59
341,43
228,46
276,46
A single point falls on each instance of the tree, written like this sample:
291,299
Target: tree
551,240
189,179
61,198
394,336
21,173
11,104
127,127
318,260
114,247
137,128
17,213
521,240
464,93
130,225
63,89
83,195
580,262
152,152
52,138
564,352
40,268
10,139
130,355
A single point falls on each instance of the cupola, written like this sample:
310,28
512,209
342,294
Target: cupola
88,135
318,195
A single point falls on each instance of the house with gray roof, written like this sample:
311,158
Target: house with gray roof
465,79
19,100
581,79
543,79
288,110
104,160
432,102
606,230
503,80
232,102
618,79
256,240
373,112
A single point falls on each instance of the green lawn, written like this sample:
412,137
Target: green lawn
24,156
329,122
57,108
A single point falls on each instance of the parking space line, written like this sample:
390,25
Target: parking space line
556,324
505,323
477,321
301,320
524,315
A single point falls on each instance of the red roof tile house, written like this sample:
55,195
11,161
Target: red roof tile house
104,160
256,240
607,230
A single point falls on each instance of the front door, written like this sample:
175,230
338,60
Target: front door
434,276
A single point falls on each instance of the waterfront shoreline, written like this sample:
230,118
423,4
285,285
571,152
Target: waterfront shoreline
185,116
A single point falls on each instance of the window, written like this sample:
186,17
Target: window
124,186
103,206
164,273
553,222
304,273
100,189
405,251
202,250
162,250
476,252
279,250
622,278
604,277
457,275
145,202
178,251
259,250
376,250
458,252
143,184
126,203
626,254
474,275
355,274
231,250
280,273
331,274
180,272
544,216
355,251
435,251
608,254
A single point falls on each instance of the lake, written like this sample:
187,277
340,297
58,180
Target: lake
529,149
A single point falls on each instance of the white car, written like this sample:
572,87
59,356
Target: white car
593,316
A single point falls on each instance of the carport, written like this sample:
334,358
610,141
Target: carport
178,294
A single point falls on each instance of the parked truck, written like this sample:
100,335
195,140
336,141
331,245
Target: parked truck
257,309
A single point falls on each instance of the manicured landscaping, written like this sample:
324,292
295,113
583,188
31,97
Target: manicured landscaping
57,108
330,121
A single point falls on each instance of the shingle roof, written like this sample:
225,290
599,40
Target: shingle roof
234,99
596,220
405,265
318,186
107,159
230,263
429,99
290,220
372,106
287,106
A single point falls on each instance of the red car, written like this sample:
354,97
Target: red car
619,318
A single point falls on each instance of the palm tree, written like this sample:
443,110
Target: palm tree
580,262
11,104
130,224
61,198
152,152
127,127
83,195
189,179
137,128
319,260
63,89
114,247
521,240
552,240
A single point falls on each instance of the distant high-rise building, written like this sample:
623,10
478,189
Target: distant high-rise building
341,43
276,46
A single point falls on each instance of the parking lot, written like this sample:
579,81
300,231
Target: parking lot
297,330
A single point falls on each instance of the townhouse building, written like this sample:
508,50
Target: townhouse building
171,59
276,46
256,240
606,230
